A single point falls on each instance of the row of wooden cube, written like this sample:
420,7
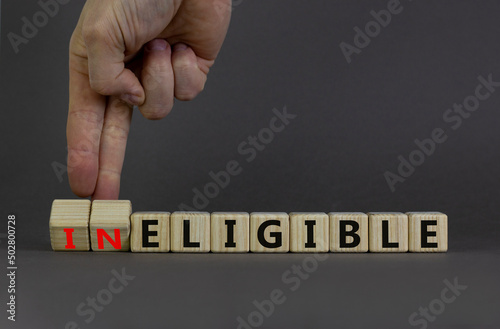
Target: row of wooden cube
110,226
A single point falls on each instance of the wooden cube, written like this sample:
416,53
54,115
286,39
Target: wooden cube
230,232
388,232
348,232
190,231
309,232
269,232
69,225
150,231
110,225
428,231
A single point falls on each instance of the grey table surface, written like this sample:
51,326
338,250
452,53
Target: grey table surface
353,121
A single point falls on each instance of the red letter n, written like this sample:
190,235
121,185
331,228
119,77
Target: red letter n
117,244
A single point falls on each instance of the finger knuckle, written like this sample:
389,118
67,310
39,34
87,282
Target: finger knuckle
156,111
91,32
115,131
86,115
184,66
108,171
154,116
188,94
101,86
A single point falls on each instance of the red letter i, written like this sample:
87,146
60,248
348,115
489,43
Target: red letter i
69,238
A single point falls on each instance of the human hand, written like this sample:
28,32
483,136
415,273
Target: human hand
132,52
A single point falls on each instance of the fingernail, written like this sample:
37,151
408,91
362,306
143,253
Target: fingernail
181,46
131,99
157,45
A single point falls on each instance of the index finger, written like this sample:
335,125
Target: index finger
84,126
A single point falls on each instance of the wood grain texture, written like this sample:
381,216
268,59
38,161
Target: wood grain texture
397,232
156,238
198,239
436,226
107,225
236,222
110,215
275,234
347,221
317,224
70,214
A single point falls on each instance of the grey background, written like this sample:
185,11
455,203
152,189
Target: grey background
353,121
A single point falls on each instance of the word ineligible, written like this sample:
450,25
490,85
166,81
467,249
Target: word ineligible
81,225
